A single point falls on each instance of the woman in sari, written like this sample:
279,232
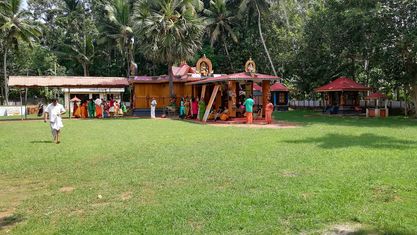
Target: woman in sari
201,109
182,108
268,112
76,110
187,107
83,109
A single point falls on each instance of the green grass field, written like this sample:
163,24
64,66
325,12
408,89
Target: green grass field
172,177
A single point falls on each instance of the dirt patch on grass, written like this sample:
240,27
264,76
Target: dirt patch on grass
126,196
66,189
195,225
259,126
386,194
349,229
289,174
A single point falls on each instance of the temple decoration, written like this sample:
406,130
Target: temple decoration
204,66
250,66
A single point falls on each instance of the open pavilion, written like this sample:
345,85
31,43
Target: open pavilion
67,82
342,93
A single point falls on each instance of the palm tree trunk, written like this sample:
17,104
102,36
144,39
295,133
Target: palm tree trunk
227,54
263,40
6,82
171,81
85,68
415,100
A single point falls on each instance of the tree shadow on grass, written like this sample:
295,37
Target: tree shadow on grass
11,220
334,141
41,142
310,117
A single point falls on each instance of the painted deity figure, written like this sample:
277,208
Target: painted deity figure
204,69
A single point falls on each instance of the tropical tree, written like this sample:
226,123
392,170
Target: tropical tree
219,24
169,32
79,36
258,6
119,27
16,28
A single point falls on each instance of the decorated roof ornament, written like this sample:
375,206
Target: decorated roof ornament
250,66
204,66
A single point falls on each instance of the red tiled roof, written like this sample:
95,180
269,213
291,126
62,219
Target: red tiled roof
182,70
342,84
257,77
279,87
256,87
376,96
67,81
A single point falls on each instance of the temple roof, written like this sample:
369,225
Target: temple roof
342,84
256,77
279,87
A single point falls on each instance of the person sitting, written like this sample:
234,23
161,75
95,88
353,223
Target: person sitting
224,116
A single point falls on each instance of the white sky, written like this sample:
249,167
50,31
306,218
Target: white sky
24,4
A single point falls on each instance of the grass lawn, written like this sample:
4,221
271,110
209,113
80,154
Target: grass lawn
166,177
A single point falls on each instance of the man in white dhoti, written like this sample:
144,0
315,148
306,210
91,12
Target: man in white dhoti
54,112
153,107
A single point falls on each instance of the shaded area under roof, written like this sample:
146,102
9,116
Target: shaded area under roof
257,77
67,82
342,84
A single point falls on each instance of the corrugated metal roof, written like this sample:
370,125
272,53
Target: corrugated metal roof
67,81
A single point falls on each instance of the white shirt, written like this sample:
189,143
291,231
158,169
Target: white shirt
98,102
54,111
153,103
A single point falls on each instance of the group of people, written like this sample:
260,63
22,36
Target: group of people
192,108
248,104
99,108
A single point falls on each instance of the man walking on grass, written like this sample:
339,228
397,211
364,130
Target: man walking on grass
153,107
54,112
249,109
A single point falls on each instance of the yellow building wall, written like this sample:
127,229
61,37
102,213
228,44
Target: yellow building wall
143,94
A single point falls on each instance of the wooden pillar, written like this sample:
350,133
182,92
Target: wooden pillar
69,102
342,99
210,104
203,92
232,98
21,104
26,102
266,90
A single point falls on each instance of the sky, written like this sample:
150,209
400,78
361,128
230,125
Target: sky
24,4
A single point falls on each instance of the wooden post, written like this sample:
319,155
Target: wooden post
203,92
21,104
26,102
210,104
266,89
69,102
232,100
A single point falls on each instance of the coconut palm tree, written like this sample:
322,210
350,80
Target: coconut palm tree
219,23
16,27
120,27
170,31
258,6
